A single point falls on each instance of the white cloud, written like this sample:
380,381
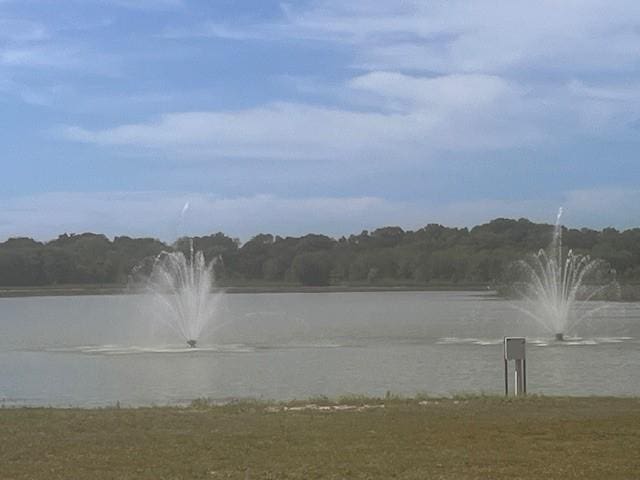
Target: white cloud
456,36
432,76
288,131
406,118
158,214
485,36
494,75
448,91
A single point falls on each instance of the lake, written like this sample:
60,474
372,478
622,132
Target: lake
98,350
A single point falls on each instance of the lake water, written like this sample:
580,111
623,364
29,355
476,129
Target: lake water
98,350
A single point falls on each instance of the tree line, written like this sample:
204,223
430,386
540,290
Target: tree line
432,255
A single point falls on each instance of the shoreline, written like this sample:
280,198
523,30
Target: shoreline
76,290
632,295
347,402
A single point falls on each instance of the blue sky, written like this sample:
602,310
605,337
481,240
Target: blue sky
315,116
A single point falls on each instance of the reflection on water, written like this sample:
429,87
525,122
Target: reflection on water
93,351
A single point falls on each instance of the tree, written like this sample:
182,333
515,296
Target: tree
312,269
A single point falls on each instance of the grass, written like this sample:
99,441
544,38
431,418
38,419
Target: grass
459,438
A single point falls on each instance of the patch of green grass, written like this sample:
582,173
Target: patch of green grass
464,437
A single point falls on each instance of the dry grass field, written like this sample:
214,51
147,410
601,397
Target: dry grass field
357,438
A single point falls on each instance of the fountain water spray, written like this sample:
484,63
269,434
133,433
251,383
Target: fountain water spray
554,282
182,287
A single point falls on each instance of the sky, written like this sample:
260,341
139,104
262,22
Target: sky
319,116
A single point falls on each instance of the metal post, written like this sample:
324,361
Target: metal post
518,388
514,349
506,378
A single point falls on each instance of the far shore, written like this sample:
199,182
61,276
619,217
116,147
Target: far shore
627,293
73,290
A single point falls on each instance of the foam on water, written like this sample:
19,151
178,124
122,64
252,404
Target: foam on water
538,342
179,349
159,350
469,341
302,345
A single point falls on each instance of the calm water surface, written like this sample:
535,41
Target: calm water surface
93,351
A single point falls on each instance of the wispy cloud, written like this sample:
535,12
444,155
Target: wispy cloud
30,95
40,56
212,29
45,216
487,36
276,131
407,116
142,4
20,31
362,88
615,92
468,92
67,57
158,213
33,44
471,93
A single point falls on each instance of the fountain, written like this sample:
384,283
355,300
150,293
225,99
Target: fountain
554,285
182,290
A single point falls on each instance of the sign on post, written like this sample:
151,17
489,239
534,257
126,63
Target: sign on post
515,349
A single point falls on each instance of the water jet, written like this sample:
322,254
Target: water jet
182,289
555,285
